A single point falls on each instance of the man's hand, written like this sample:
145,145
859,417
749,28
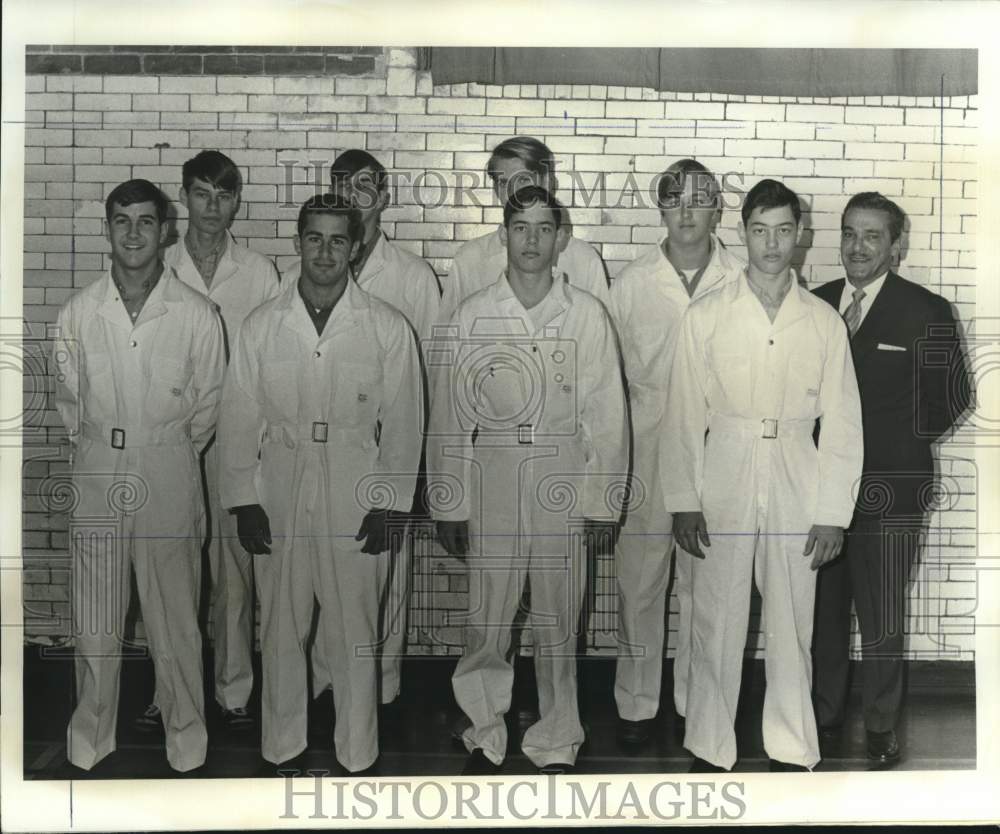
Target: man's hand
454,537
827,541
689,529
253,528
381,530
600,536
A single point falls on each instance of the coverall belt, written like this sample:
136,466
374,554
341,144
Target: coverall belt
520,435
764,427
125,437
315,432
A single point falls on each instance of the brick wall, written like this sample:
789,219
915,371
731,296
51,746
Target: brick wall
97,116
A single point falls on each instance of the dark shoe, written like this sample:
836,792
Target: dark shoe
237,719
680,727
883,748
634,733
830,732
151,721
786,767
701,766
557,768
478,765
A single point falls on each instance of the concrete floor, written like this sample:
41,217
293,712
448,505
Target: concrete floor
938,729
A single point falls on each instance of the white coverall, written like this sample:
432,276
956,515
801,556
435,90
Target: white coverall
242,281
139,401
341,417
761,483
398,277
542,389
479,261
647,303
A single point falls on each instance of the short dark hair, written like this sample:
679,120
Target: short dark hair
214,168
535,155
528,196
351,161
673,179
770,194
335,205
137,191
873,201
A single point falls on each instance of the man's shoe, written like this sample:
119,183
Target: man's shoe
883,748
557,768
701,766
151,721
478,765
785,767
829,732
237,718
634,733
680,727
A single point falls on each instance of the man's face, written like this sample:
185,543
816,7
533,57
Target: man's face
770,235
363,194
210,209
533,239
691,212
135,234
509,175
866,246
326,248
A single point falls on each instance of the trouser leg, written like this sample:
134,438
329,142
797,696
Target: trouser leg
642,565
720,585
787,586
484,677
832,641
167,574
100,598
394,613
557,588
284,587
349,589
880,559
685,606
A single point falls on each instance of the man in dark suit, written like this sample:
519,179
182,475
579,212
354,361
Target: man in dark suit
913,384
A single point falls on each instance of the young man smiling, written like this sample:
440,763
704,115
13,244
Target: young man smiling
140,359
236,280
532,396
757,363
329,377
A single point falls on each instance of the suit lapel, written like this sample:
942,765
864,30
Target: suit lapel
876,322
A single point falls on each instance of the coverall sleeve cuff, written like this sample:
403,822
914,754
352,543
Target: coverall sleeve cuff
832,520
239,498
682,502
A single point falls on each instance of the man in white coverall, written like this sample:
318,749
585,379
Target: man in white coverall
236,280
757,362
514,163
140,359
527,438
648,299
329,377
406,281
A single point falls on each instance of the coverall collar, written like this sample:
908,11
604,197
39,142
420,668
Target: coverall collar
228,267
295,317
720,263
554,304
376,260
793,307
165,292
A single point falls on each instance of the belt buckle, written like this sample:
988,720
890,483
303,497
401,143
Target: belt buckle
118,438
526,434
320,432
770,429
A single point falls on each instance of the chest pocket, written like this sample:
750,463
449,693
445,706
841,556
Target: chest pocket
356,395
168,385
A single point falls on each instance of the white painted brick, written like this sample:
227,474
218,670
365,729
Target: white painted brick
360,122
756,112
59,118
419,124
454,142
602,162
425,160
574,109
933,117
910,133
396,104
230,138
516,107
872,150
424,231
845,133
754,147
330,139
398,141
636,110
275,104
187,84
216,103
161,101
480,124
566,145
256,84
188,121
692,147
694,110
786,130
131,156
458,106
48,137
150,138
814,185
34,83
155,173
535,125
889,187
783,167
814,150
102,138
605,127
726,130
425,86
874,115
814,113
304,86
251,121
932,188
844,168
346,86
904,170
101,173
402,58
401,81
49,101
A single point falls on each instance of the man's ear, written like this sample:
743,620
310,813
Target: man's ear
164,231
355,248
503,234
742,230
183,196
799,229
562,237
297,243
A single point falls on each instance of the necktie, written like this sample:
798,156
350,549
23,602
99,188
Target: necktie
852,315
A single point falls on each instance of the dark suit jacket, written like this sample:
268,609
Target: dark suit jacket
909,397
